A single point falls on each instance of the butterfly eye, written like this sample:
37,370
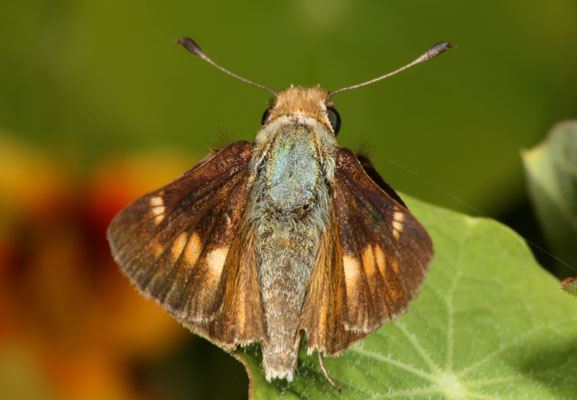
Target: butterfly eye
334,119
265,116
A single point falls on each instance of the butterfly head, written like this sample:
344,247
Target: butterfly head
302,104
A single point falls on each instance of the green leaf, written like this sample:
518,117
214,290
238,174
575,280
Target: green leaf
490,323
551,169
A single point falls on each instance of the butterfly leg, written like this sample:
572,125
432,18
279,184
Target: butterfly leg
325,372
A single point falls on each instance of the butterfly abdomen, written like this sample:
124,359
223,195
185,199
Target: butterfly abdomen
289,209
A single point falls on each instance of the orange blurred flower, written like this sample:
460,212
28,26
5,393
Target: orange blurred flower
70,323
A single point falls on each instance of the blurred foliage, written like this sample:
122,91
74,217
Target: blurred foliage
552,182
89,88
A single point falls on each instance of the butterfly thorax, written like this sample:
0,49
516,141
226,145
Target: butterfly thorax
292,171
289,210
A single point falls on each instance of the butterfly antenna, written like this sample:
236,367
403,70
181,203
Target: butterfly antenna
431,53
194,48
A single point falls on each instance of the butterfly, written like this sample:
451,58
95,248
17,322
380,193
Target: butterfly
262,242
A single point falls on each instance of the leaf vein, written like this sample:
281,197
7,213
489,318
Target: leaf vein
395,363
422,352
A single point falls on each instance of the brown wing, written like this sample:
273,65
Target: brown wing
372,261
185,246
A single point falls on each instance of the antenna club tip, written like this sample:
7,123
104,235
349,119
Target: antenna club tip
443,46
189,45
437,49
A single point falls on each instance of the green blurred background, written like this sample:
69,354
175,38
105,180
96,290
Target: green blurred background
97,106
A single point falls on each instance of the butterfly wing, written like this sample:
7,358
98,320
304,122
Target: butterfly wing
185,245
373,259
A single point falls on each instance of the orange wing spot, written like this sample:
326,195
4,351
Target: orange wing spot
156,201
381,261
215,261
368,259
178,245
397,229
399,216
352,269
157,209
382,264
397,226
193,249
